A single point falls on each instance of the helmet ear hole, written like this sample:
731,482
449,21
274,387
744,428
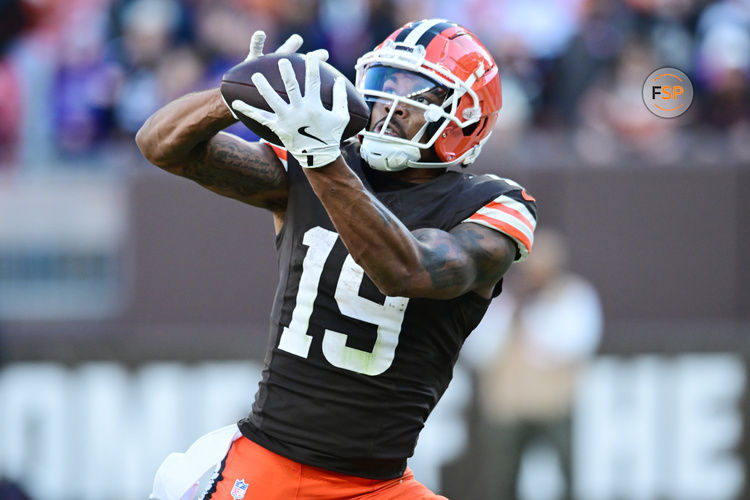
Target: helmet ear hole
478,127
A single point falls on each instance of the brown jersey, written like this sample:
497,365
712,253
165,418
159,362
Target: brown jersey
350,374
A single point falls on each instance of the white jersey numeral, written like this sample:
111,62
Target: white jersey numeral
294,338
387,316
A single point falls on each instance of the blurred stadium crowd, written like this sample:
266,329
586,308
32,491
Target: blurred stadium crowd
79,77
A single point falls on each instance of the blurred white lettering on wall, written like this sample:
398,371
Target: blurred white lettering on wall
655,427
647,427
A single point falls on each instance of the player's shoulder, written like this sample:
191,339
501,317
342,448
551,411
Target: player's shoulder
485,188
492,181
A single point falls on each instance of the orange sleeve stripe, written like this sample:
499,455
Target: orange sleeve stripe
505,228
280,152
511,211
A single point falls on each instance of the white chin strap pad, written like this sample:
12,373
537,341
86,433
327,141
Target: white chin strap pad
387,156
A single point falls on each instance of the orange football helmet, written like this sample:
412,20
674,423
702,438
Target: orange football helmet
444,59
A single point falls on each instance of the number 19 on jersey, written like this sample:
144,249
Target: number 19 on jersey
387,316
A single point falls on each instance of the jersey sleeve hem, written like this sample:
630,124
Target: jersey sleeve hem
512,218
280,152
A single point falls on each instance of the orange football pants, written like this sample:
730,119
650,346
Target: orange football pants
255,473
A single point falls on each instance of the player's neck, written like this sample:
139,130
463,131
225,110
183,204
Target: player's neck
393,181
416,175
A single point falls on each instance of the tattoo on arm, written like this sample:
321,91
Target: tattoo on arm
468,257
245,171
439,261
490,257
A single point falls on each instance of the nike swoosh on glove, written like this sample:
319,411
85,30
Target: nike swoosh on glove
309,131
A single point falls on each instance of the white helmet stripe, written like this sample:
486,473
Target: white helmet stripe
420,30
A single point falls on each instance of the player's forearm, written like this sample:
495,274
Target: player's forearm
171,133
375,238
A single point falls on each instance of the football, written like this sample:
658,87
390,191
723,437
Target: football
236,84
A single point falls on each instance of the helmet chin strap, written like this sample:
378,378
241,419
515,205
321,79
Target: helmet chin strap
387,156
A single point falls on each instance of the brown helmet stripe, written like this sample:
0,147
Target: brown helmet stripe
431,33
405,32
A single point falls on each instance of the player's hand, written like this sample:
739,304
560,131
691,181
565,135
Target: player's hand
292,45
307,129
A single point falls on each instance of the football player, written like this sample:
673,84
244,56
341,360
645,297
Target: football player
387,260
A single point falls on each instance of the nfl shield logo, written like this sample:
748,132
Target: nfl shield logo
239,490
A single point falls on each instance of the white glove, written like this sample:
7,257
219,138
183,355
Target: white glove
310,132
292,45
